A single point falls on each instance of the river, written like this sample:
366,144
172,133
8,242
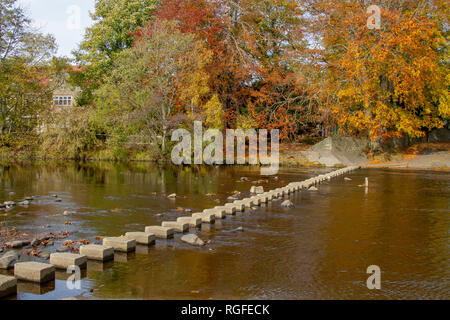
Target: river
320,249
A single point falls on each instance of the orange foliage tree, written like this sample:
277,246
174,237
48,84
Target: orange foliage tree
383,82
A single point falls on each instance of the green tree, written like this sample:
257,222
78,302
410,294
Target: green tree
115,21
139,95
25,68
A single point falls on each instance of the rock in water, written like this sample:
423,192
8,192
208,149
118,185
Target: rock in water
44,255
313,189
8,260
172,196
347,179
192,239
15,244
287,204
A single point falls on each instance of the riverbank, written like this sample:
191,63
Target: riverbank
433,156
293,155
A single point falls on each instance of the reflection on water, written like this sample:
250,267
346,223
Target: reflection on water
320,249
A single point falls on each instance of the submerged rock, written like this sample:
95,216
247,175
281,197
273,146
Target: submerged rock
239,229
287,204
244,179
193,239
62,249
68,213
15,244
347,179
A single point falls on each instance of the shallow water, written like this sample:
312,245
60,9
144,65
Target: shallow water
320,249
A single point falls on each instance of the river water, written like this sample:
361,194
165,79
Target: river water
320,249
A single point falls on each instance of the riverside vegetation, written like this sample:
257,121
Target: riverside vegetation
308,68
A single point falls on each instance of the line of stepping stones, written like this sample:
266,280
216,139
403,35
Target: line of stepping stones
43,272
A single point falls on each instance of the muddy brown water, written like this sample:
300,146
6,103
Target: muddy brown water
320,249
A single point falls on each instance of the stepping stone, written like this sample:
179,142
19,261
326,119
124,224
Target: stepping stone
8,286
65,260
206,217
177,226
160,232
225,210
193,222
270,196
141,237
247,203
97,252
230,209
263,198
34,271
120,244
255,201
239,205
218,212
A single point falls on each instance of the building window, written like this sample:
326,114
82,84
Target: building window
62,101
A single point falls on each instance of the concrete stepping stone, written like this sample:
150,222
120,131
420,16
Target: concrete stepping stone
239,205
120,244
218,212
227,210
160,232
8,286
97,252
65,260
141,237
177,226
263,198
34,271
193,222
206,217
255,201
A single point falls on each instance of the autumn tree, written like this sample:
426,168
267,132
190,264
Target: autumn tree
139,95
383,82
254,44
